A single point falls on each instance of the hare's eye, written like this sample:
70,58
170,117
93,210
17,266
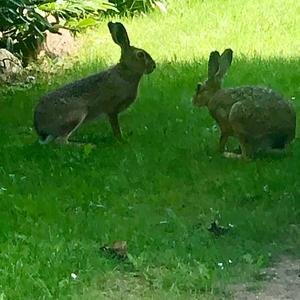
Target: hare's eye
140,54
199,86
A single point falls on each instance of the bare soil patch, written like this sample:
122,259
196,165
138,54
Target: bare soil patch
62,44
279,282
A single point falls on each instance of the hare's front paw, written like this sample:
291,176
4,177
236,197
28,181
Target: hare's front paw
236,156
232,155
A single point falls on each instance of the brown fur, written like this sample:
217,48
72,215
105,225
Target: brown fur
110,92
259,117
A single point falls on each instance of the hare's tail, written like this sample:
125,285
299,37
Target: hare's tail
46,139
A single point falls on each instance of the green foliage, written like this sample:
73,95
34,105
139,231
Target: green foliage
129,7
22,27
77,14
23,23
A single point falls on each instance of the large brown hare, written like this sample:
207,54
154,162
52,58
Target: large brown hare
110,92
258,117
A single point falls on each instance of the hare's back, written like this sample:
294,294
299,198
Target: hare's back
69,102
74,96
262,111
82,88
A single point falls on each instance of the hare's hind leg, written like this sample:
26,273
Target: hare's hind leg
222,142
246,150
73,125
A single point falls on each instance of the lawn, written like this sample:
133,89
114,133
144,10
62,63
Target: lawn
162,186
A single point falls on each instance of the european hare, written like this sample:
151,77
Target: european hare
259,117
110,92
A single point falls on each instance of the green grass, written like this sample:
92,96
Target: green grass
160,188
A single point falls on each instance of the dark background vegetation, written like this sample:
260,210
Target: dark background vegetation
24,23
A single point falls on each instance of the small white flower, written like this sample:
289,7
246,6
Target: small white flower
230,225
293,98
73,275
230,261
163,222
220,264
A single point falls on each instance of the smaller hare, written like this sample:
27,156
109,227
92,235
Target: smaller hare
259,117
110,92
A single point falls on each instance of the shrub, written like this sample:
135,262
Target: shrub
130,7
24,23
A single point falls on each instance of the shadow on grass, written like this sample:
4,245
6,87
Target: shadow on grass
159,190
164,97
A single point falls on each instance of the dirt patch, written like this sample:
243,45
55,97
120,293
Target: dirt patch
280,282
61,44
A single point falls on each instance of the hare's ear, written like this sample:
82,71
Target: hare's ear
119,34
225,62
213,64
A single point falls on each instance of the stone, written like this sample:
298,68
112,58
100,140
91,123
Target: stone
10,66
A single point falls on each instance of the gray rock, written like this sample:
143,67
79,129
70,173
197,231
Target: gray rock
10,66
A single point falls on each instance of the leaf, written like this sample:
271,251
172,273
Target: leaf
87,22
41,34
217,229
107,5
12,12
48,7
118,249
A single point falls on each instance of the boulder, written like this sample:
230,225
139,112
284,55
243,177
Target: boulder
10,65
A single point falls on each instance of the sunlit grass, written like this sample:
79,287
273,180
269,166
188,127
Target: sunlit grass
159,189
192,29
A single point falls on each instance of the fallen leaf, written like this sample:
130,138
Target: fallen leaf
118,249
217,230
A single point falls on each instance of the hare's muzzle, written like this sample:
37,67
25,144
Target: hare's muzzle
150,67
